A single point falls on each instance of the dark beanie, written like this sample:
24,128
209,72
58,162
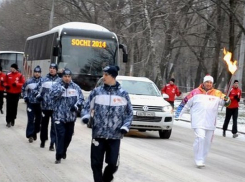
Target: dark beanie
172,79
112,70
235,81
66,72
37,69
53,65
15,66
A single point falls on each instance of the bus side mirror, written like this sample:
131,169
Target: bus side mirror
55,51
125,52
125,58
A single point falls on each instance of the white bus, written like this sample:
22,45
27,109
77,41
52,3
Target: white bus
10,57
84,48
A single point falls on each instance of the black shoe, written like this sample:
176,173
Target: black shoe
1,111
35,137
42,145
51,147
58,161
8,125
224,135
31,140
64,156
12,123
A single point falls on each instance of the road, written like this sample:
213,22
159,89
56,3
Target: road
144,157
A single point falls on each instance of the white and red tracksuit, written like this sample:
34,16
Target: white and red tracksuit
203,106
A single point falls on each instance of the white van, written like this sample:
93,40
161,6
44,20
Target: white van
151,111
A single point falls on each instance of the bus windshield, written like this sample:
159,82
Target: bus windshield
87,56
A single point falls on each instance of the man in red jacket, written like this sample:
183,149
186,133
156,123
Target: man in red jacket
2,88
232,109
171,90
14,83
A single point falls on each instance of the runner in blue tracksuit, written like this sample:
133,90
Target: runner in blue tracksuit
113,114
68,98
30,91
46,104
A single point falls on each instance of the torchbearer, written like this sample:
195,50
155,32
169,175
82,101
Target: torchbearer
203,103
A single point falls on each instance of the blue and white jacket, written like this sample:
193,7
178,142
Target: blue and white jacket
63,99
112,111
44,88
30,89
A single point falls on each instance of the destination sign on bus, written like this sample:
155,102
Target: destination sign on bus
88,43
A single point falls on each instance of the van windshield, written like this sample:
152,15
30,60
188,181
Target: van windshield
140,87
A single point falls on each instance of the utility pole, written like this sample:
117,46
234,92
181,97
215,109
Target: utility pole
241,55
51,16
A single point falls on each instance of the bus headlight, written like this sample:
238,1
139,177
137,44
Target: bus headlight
167,108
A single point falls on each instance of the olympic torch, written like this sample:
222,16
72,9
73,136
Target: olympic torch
232,67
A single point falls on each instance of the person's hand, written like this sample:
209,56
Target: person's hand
14,84
123,131
73,108
7,87
79,106
226,98
237,98
26,99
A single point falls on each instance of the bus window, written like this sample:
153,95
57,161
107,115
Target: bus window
7,58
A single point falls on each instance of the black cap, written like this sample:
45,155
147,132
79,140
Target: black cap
236,81
53,65
66,72
37,69
112,70
172,79
15,66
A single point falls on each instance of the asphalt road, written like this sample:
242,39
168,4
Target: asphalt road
144,157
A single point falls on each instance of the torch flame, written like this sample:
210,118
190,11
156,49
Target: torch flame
232,66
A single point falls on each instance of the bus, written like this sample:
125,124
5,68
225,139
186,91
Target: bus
84,48
7,58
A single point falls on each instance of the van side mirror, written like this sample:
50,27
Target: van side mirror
165,96
125,52
55,51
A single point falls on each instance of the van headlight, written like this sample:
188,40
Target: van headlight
167,108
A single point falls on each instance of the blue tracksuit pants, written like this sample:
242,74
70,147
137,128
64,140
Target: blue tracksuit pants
34,115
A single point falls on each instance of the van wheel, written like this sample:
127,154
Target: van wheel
165,134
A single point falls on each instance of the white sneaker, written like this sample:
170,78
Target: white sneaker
200,165
235,135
